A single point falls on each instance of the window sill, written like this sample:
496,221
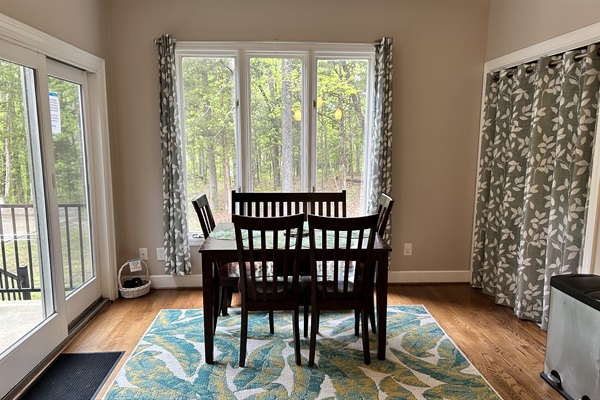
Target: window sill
195,239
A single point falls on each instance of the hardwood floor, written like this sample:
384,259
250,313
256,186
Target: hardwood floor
507,351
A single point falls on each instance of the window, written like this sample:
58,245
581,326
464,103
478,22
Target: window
273,117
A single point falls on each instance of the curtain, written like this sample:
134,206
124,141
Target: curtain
379,178
537,137
177,252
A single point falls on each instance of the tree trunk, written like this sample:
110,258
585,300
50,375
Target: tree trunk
343,158
226,170
212,170
7,169
286,127
275,166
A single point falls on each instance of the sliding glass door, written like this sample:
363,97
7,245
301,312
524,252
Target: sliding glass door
47,272
67,88
32,318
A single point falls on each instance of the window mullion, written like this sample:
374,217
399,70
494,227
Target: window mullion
310,124
244,154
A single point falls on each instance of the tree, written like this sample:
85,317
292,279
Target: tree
15,182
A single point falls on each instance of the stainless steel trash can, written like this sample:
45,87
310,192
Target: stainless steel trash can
572,362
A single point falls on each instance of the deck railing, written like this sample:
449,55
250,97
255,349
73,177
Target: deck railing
19,271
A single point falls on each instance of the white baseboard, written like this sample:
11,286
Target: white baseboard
174,282
429,276
190,281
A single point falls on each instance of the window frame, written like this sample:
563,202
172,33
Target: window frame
309,54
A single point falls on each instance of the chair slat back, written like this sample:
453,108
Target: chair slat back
269,248
341,256
275,204
202,207
384,209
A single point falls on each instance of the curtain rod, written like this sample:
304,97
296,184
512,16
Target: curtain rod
531,65
159,40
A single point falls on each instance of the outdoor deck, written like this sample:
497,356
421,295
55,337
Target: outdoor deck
20,264
16,319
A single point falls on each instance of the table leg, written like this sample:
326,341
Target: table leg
382,282
208,305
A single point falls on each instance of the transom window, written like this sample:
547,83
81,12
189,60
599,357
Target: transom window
279,117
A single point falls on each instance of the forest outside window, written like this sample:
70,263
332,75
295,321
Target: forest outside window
274,118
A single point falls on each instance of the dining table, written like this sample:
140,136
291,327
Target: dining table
220,246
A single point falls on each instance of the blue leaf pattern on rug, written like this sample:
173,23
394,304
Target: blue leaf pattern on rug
421,361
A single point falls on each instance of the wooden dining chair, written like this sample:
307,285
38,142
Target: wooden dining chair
384,208
269,248
342,265
226,274
277,204
271,204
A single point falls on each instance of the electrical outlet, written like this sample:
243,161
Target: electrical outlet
408,249
143,253
160,253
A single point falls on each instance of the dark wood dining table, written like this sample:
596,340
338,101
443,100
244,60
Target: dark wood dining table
220,247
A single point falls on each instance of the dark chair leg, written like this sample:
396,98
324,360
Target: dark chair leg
314,319
365,336
372,317
216,305
306,309
271,324
243,337
296,323
318,319
225,293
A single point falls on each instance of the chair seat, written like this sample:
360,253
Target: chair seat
306,280
279,287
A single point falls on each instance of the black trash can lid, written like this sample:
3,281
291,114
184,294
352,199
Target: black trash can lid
583,287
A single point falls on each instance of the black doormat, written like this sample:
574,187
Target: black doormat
74,376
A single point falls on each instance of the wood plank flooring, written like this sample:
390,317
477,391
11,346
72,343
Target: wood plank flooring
508,352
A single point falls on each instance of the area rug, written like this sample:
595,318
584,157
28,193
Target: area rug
73,376
421,361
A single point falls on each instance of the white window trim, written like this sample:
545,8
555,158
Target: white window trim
309,53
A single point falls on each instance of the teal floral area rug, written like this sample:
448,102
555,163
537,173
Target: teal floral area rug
421,361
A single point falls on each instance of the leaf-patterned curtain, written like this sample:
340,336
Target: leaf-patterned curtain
177,252
537,138
380,168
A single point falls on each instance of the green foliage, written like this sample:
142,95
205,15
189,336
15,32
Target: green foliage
209,93
275,123
14,165
68,144
268,114
15,174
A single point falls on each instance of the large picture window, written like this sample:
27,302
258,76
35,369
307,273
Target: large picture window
274,118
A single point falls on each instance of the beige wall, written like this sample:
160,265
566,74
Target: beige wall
80,23
439,51
514,25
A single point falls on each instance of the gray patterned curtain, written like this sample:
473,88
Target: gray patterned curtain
537,137
380,158
177,252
